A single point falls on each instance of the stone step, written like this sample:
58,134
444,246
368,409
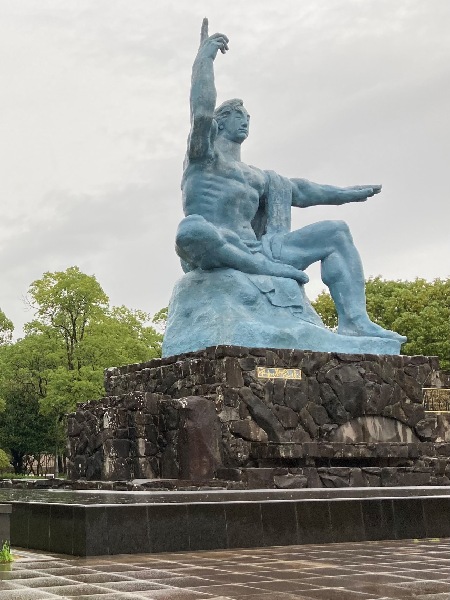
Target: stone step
181,521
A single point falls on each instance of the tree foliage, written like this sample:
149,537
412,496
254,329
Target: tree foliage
418,309
68,301
74,336
6,329
160,319
5,464
24,368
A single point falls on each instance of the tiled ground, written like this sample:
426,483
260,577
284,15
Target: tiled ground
353,571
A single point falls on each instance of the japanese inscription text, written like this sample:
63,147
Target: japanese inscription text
436,399
278,373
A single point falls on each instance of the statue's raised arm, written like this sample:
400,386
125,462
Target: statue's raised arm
203,94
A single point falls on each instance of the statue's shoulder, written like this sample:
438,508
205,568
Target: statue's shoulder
278,183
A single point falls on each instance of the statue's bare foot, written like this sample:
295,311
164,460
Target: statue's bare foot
363,326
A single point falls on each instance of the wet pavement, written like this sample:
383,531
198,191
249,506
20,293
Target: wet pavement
418,569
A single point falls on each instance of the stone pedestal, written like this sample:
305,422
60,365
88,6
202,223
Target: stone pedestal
351,420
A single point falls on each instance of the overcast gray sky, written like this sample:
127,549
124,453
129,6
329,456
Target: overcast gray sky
94,117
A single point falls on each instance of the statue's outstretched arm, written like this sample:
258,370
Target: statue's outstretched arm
203,92
306,193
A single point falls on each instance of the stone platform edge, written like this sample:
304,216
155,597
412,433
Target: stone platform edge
92,530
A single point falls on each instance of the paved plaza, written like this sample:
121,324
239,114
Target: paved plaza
418,569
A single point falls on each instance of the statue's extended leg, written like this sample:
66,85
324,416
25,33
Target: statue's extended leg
331,243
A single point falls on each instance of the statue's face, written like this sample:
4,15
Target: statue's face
236,125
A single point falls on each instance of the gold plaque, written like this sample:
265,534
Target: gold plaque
436,400
278,373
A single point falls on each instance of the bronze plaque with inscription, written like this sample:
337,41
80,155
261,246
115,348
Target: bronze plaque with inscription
436,400
278,373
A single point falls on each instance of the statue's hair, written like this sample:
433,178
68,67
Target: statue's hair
226,108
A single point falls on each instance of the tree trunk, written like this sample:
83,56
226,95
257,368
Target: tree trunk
56,465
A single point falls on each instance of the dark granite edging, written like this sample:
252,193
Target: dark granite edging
5,523
145,528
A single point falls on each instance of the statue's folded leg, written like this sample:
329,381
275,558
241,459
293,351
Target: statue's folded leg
203,245
197,241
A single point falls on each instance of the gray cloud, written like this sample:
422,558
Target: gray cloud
94,110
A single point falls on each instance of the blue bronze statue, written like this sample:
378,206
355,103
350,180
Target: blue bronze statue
244,267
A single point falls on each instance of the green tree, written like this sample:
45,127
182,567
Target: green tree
5,464
73,337
6,329
160,319
121,336
67,301
419,309
24,368
324,305
116,337
88,335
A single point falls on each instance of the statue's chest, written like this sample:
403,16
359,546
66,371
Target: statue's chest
244,174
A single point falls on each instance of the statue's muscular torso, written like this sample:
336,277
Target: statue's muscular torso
225,193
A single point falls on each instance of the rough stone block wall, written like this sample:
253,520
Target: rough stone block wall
142,428
142,435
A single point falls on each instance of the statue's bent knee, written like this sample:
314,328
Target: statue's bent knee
340,230
195,237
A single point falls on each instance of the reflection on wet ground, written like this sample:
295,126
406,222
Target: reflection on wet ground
388,570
